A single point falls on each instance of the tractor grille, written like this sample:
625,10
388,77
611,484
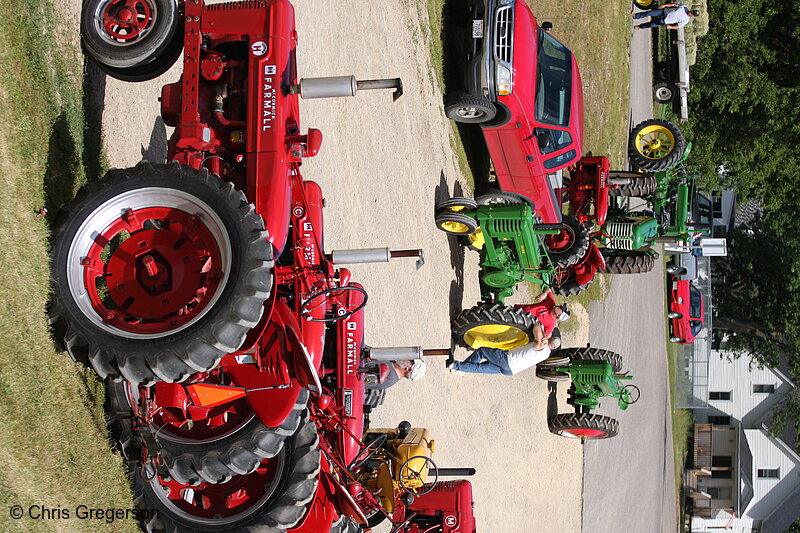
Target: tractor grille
621,234
504,34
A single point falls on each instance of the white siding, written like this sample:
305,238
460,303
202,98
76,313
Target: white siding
769,454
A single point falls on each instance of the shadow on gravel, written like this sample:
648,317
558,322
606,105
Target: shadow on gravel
552,401
156,151
456,295
94,103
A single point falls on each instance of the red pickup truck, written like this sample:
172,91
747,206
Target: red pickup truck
524,88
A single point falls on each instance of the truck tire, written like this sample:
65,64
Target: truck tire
283,486
663,92
594,354
570,246
179,224
628,262
467,109
583,426
655,145
494,326
496,197
632,184
123,35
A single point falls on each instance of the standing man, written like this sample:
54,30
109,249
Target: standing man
506,362
672,15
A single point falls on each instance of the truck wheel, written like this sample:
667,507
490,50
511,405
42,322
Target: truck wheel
570,245
633,184
129,33
655,145
583,426
158,271
493,326
457,204
273,498
467,109
594,354
456,223
628,262
663,92
675,270
495,197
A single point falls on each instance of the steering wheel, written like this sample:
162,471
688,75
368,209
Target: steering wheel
336,296
633,394
409,475
370,449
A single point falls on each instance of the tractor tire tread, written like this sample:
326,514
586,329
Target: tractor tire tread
584,420
593,354
641,162
486,313
629,263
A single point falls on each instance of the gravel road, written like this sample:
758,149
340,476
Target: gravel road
629,480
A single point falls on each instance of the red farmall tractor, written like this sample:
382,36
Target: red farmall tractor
201,288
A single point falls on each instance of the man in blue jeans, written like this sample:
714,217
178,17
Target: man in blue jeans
506,362
673,16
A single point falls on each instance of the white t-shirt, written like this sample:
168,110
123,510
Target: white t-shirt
676,16
523,357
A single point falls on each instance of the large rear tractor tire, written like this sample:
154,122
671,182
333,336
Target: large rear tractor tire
593,354
467,109
655,145
583,426
125,34
271,499
158,271
571,287
493,326
628,262
632,184
570,245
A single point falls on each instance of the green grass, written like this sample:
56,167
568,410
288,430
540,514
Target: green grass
682,423
53,446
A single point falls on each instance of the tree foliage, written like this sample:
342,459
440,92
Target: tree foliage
745,90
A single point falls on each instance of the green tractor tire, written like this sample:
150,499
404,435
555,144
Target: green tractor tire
655,145
493,326
571,287
628,262
583,426
594,354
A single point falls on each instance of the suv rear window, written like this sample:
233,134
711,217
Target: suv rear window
553,81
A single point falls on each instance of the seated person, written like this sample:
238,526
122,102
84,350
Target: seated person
383,374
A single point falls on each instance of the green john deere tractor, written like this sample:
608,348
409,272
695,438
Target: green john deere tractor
513,248
594,373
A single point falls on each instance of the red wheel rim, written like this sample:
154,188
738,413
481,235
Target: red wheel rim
127,20
561,241
221,504
146,281
583,433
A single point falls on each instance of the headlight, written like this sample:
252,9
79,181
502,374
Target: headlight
504,81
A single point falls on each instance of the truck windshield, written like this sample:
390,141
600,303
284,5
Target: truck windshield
553,79
695,302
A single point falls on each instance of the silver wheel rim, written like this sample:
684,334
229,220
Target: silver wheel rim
470,112
109,211
97,22
664,93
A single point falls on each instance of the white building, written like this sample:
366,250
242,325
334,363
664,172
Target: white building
741,480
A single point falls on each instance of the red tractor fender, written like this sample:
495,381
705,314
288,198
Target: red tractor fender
589,183
450,503
585,270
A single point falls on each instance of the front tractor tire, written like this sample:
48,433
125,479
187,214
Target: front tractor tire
467,109
456,223
132,34
628,262
593,354
570,245
493,326
158,271
655,145
583,426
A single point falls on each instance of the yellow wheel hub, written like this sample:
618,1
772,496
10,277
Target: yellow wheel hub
455,227
655,142
477,240
496,336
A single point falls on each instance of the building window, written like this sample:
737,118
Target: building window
719,420
769,473
719,493
720,395
763,389
721,460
